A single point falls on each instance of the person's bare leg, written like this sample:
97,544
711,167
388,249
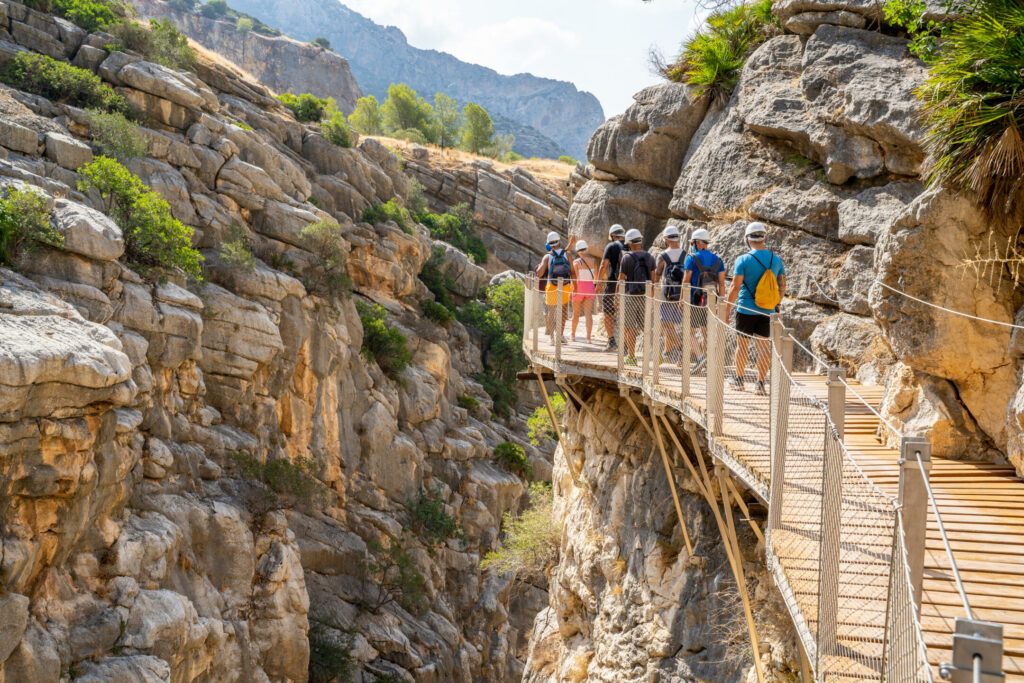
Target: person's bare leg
565,318
763,349
742,350
630,341
576,320
549,319
609,320
588,310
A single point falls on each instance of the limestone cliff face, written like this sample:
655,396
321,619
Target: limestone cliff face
133,544
820,140
280,63
627,602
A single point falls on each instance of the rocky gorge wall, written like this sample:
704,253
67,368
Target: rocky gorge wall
821,141
133,544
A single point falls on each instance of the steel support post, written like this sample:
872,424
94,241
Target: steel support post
686,364
913,499
656,341
620,325
837,399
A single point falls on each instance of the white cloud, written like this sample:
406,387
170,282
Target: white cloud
514,45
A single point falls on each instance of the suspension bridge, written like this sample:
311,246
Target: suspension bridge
894,566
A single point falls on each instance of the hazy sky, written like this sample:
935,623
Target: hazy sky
600,45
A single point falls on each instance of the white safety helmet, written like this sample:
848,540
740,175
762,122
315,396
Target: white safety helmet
634,236
700,234
553,237
616,230
756,230
671,233
581,245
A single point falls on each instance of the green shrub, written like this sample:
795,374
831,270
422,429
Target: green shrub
330,653
712,59
306,107
243,25
428,519
336,130
61,82
113,135
566,159
498,322
478,129
500,147
468,402
322,43
397,578
437,312
24,223
214,9
410,135
416,199
513,457
539,423
153,237
285,484
158,41
366,117
236,252
92,15
390,210
437,282
324,240
382,342
458,229
973,106
244,126
530,541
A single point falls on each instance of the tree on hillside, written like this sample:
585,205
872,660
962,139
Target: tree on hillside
405,110
448,120
214,9
478,131
366,118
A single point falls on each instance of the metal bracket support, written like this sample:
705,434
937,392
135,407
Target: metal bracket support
977,653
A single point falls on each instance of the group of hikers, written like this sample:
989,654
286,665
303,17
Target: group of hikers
758,284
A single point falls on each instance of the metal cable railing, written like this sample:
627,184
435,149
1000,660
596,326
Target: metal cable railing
836,542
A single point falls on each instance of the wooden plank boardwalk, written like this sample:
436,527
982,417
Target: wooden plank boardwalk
981,504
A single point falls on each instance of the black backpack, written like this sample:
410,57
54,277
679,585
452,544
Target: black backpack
559,266
707,278
673,277
637,284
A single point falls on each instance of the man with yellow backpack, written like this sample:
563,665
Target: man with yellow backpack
758,285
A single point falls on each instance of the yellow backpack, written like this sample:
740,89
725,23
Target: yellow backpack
767,295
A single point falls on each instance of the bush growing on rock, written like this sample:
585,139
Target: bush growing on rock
305,106
390,210
566,159
243,25
153,237
24,223
322,43
437,312
61,82
530,542
92,15
539,423
382,342
281,483
113,135
236,252
330,652
336,130
214,9
437,282
468,402
397,577
366,117
429,520
457,228
498,321
324,240
513,457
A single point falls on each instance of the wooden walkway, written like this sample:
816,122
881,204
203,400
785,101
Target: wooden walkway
982,506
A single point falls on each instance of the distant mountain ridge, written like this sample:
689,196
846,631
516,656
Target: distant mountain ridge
379,56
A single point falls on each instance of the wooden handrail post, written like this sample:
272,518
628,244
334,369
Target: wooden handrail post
829,550
913,499
557,332
656,346
534,318
620,325
648,351
778,427
716,362
687,343
837,399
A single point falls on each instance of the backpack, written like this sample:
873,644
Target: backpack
766,294
559,266
641,273
673,277
706,278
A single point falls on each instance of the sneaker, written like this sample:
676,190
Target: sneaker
610,346
699,363
630,360
761,389
736,383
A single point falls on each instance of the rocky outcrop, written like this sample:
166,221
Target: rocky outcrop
137,413
381,55
627,601
280,63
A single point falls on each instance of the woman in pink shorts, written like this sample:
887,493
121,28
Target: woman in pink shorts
583,273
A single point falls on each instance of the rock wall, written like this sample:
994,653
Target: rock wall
133,544
281,63
627,602
821,141
513,210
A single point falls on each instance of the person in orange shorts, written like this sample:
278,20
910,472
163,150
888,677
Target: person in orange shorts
553,267
583,275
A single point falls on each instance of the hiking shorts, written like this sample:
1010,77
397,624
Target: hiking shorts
634,317
754,324
671,312
609,303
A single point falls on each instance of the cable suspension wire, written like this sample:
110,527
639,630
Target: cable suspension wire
951,310
945,539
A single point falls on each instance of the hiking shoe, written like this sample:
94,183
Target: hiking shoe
761,389
699,363
630,360
736,383
610,346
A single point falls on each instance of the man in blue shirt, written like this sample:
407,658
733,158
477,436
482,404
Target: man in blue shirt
705,272
751,319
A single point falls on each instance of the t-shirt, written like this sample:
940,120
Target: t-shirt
633,271
613,254
752,266
711,262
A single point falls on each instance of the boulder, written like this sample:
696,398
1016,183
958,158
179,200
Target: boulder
87,231
169,183
648,142
66,151
855,277
870,212
856,344
164,83
633,204
18,138
806,23
130,669
13,621
812,209
466,277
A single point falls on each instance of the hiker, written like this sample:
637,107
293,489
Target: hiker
609,275
670,272
759,283
585,292
705,272
635,271
554,266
